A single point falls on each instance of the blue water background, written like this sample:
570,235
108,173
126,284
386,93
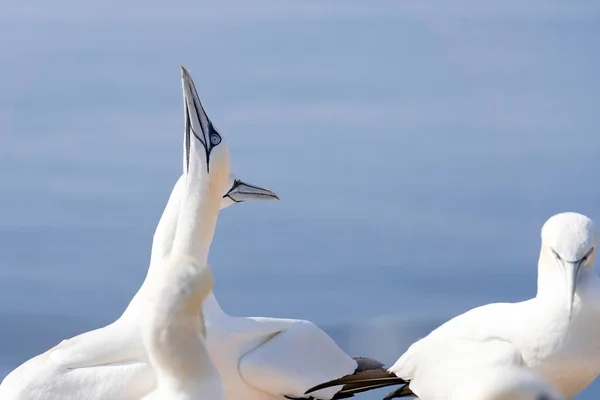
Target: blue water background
417,147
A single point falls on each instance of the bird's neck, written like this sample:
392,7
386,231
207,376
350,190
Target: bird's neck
550,282
197,216
552,285
173,325
178,353
162,242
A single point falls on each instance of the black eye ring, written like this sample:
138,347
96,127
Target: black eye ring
215,139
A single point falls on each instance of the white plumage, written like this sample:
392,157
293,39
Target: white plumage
257,358
556,333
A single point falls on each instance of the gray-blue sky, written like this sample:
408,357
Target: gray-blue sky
413,143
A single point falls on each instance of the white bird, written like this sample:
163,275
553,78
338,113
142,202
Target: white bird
257,358
556,333
271,358
104,363
172,323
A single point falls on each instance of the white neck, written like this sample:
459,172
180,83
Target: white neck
550,282
173,332
162,242
198,214
171,328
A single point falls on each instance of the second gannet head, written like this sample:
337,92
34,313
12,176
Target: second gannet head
569,242
238,191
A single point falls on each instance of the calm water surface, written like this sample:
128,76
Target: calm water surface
417,147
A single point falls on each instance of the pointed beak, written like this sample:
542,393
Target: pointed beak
242,191
571,270
197,124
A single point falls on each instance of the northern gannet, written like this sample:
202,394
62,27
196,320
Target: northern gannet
557,333
257,358
271,358
110,362
172,322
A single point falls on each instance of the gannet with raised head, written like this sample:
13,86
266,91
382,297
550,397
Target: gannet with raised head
110,362
556,333
257,358
172,320
271,358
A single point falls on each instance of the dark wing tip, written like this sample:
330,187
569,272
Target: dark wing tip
365,363
368,375
403,391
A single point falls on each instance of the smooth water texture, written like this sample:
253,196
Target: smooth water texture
417,147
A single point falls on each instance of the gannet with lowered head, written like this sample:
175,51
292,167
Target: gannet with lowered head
556,333
172,320
110,362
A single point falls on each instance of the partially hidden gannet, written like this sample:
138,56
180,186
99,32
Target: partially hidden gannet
557,333
172,322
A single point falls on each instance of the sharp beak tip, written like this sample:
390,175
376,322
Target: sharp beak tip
185,76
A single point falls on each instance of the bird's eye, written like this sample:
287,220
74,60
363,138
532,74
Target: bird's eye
215,139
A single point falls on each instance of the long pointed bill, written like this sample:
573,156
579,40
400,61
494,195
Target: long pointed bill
196,120
241,191
571,273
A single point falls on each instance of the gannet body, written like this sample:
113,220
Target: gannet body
269,358
556,333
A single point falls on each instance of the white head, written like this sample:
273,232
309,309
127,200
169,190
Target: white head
504,383
203,142
203,146
205,175
569,242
